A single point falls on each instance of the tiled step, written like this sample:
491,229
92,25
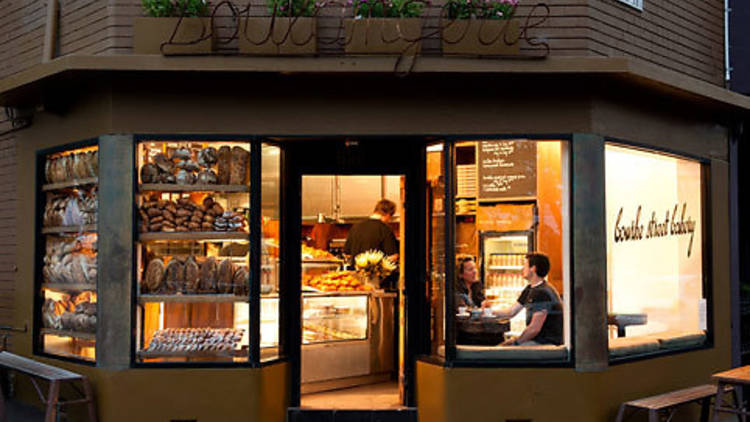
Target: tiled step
296,414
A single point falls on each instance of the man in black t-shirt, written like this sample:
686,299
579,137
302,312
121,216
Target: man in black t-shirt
544,319
373,233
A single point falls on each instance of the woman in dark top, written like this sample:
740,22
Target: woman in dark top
468,288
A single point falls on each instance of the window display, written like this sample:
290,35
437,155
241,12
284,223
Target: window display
654,219
68,269
512,249
193,275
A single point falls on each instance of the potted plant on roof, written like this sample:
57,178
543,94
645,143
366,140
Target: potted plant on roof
384,26
290,29
173,27
480,27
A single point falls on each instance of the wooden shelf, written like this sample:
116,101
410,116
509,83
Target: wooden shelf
155,236
171,187
69,333
89,228
192,298
68,287
71,184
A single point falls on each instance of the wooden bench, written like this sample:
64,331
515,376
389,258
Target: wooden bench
55,376
668,402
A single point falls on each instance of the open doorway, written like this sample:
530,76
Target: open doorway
352,291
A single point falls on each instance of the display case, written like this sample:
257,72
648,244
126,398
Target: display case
334,317
67,268
192,279
503,256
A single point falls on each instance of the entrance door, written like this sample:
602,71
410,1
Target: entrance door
336,336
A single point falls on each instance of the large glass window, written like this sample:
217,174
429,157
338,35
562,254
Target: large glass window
68,270
270,247
193,205
511,281
435,219
655,297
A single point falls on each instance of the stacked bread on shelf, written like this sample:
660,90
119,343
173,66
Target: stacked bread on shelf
189,276
187,166
71,208
77,314
186,340
69,261
184,215
69,167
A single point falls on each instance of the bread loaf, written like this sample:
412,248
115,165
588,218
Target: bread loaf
224,164
241,281
192,275
225,274
208,275
175,274
239,166
154,277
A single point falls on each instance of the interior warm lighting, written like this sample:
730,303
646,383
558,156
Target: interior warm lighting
73,151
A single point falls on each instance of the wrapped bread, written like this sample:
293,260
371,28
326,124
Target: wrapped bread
182,153
223,165
207,157
208,276
149,173
224,276
185,177
207,177
154,278
239,166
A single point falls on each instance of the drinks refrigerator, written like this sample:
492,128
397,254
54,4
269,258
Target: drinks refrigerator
502,260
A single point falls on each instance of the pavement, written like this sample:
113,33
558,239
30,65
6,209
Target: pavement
20,412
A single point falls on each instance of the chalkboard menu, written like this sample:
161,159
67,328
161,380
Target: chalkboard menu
506,169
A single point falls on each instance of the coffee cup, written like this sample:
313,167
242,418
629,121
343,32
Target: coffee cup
487,312
462,309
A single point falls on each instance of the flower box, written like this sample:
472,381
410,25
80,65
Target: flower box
151,33
290,36
383,36
482,37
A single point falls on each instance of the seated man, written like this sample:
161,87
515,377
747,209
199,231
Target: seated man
544,319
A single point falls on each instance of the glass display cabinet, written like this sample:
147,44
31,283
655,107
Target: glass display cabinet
193,205
67,270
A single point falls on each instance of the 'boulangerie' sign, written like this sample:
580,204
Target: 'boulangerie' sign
676,222
506,169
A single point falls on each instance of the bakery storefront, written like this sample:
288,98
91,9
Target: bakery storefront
188,246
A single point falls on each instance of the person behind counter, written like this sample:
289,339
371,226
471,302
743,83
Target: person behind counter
544,320
468,288
373,233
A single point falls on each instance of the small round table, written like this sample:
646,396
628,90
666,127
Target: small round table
482,331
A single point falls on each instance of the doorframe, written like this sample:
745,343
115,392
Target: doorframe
355,156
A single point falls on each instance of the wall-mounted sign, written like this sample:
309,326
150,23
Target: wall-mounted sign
676,222
506,169
638,4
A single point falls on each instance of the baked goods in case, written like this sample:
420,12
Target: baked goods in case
241,281
208,275
195,340
175,275
224,165
154,278
239,166
224,275
192,275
